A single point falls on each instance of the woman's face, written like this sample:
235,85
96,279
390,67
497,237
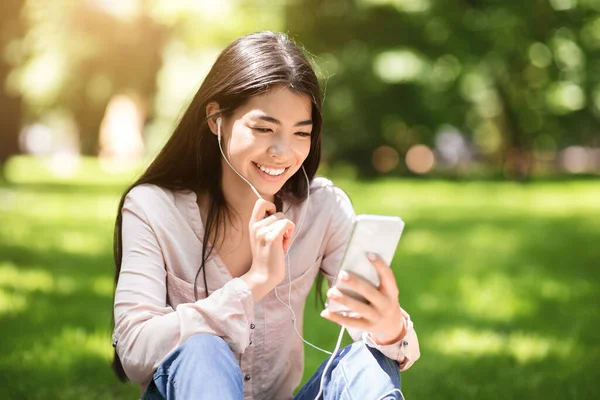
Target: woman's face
267,139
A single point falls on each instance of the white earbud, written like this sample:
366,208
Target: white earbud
287,255
219,120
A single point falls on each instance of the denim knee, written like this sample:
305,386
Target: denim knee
203,367
198,349
387,364
203,342
368,373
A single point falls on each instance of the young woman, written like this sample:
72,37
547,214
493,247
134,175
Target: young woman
204,276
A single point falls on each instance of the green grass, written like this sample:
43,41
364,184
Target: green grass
502,281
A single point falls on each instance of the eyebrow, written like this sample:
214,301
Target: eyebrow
278,122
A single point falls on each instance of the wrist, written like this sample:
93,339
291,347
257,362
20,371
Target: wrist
382,340
257,283
385,342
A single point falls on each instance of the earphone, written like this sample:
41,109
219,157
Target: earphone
289,306
288,264
219,121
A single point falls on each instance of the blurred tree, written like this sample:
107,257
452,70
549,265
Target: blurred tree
126,57
509,75
513,79
11,29
84,53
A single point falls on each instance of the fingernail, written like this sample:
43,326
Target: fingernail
372,256
344,276
323,313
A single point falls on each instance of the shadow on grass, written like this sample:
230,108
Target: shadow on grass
506,306
55,340
548,275
518,320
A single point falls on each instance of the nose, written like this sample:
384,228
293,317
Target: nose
280,147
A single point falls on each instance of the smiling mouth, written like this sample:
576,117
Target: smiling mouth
271,171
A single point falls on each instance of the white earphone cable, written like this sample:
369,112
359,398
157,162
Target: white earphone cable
289,267
337,348
288,264
289,306
219,120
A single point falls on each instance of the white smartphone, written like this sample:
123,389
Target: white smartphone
371,233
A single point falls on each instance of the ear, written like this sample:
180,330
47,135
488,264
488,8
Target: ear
213,109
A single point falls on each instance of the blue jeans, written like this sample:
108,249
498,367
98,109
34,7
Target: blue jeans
204,368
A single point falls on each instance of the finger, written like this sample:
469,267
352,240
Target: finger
288,236
348,322
277,229
365,288
269,220
387,278
261,209
366,311
271,231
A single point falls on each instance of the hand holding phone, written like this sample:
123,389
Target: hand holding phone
370,233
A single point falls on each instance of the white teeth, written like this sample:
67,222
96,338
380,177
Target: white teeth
273,172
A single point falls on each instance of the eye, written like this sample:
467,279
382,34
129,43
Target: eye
262,130
303,134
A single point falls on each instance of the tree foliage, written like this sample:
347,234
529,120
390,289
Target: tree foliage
518,80
81,54
513,76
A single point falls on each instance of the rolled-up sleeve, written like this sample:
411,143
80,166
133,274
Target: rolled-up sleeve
146,328
406,350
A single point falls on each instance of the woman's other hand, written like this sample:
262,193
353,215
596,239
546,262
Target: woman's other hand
383,318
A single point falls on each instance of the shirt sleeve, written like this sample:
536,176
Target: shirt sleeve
146,328
406,350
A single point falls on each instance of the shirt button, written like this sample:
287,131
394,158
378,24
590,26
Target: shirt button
252,326
405,343
247,377
250,343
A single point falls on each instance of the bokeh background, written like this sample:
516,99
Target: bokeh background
476,121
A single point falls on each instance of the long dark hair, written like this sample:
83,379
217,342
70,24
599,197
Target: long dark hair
190,160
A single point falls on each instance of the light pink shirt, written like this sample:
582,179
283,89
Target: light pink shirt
155,311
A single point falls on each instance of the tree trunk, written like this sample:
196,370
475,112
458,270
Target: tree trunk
517,152
11,108
11,112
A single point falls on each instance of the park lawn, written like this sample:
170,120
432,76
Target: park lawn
502,281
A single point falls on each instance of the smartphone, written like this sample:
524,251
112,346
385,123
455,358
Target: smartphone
370,233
